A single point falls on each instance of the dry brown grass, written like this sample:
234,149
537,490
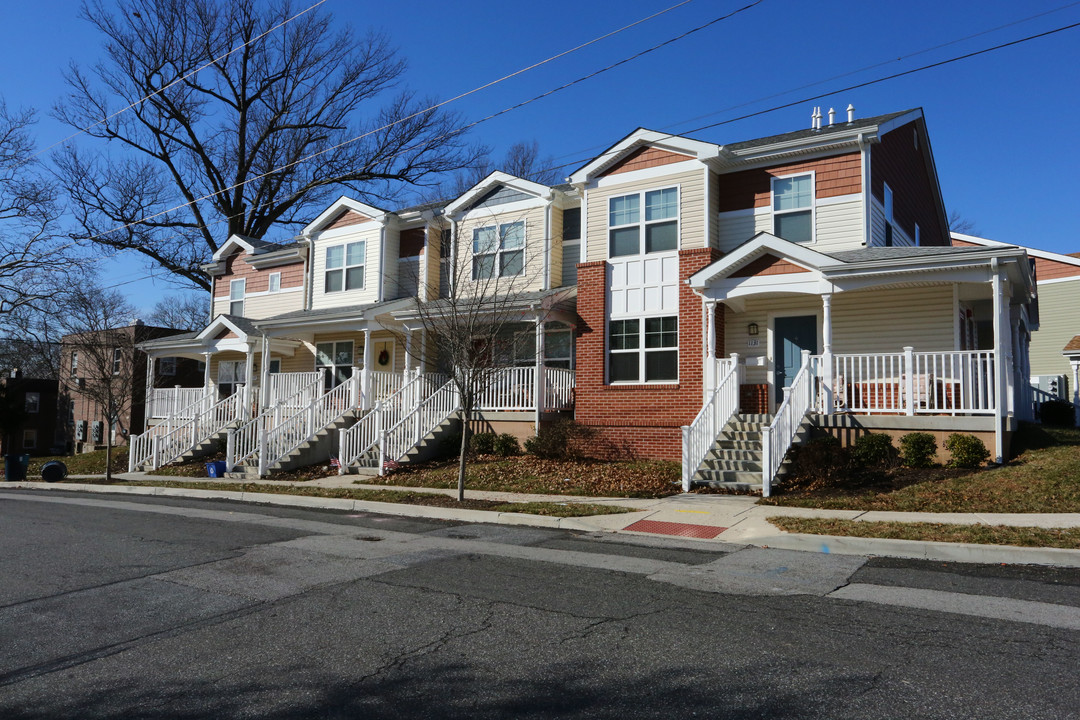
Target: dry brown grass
1068,538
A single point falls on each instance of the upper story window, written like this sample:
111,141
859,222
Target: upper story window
889,221
345,267
167,366
236,296
33,403
274,282
74,363
793,207
499,250
117,360
658,225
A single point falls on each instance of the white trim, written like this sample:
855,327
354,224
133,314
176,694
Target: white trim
282,291
1044,254
696,149
496,210
642,223
270,283
343,203
761,244
813,202
234,241
497,268
838,199
541,192
241,299
770,329
652,173
641,351
1054,281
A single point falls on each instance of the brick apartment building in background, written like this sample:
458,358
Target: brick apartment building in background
30,422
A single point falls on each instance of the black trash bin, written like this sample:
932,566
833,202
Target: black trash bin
14,469
53,471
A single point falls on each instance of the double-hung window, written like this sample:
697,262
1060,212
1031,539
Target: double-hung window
117,360
345,267
236,296
33,403
274,283
643,349
886,193
167,366
632,232
793,208
74,363
337,358
499,251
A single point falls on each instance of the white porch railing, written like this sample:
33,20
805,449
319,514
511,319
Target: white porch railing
951,382
168,447
141,447
278,441
399,438
777,437
384,384
558,389
175,402
509,388
698,437
299,388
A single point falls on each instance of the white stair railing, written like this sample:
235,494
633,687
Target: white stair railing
175,402
399,438
141,447
777,438
290,433
558,389
299,388
698,437
204,425
384,384
244,442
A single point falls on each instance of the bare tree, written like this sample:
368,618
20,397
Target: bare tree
960,224
96,324
522,160
470,326
240,131
28,216
183,312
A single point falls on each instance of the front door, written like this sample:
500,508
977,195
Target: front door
791,335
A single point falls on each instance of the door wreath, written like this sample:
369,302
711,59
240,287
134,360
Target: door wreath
384,357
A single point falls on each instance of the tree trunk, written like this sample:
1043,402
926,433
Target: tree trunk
108,451
465,417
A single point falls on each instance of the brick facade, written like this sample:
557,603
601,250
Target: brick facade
640,420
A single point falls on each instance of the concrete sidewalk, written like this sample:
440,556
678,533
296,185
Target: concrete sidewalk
706,518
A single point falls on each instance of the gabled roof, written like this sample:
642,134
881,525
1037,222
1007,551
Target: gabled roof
337,207
640,138
1068,259
247,244
261,253
758,246
237,324
1072,348
492,180
881,123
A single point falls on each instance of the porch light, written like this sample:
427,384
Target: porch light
751,329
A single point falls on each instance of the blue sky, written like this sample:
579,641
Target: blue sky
1002,125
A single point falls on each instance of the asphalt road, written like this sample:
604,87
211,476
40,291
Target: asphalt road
120,606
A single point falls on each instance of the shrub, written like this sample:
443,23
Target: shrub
483,443
818,460
874,450
559,440
506,445
1057,412
918,449
967,451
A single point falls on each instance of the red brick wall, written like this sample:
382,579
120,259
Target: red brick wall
236,267
833,176
896,160
641,420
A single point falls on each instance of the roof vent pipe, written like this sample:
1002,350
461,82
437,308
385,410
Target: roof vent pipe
813,119
850,113
832,116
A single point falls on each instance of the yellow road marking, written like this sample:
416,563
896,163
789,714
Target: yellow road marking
699,512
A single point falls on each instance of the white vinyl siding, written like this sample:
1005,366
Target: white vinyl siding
1057,326
877,228
532,275
369,234
839,225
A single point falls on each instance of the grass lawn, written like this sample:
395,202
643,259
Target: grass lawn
389,496
530,474
1068,538
1043,478
92,463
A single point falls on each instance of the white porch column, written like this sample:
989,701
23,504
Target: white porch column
710,349
1075,363
369,352
999,361
539,391
206,373
149,404
408,350
826,352
249,370
264,374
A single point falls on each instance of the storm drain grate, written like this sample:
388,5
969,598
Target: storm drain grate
681,529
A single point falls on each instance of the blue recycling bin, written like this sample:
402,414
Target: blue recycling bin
215,469
15,467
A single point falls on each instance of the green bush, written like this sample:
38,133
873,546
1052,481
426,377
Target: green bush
483,443
1057,412
559,440
967,451
918,450
506,445
874,450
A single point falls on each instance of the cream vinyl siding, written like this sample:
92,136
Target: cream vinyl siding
430,260
738,226
555,268
1058,324
369,294
839,226
713,211
303,360
863,321
691,185
390,266
533,276
271,304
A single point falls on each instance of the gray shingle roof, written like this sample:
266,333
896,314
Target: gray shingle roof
806,134
899,253
323,312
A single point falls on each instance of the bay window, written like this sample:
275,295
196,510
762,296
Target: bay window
657,226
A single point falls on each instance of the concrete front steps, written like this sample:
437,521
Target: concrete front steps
429,447
734,461
322,446
207,446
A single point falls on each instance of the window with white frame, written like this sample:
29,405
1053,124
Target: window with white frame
29,441
337,358
887,195
167,366
236,296
117,360
74,363
643,349
33,403
918,235
633,232
499,251
274,282
793,208
345,267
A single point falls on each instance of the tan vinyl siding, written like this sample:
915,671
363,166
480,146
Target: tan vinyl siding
430,260
759,310
369,233
691,210
1058,323
390,266
264,306
533,276
555,270
737,227
839,226
714,208
303,360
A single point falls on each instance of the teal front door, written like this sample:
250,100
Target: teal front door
791,335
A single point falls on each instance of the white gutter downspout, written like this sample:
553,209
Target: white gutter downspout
864,148
382,262
451,276
547,245
999,357
309,276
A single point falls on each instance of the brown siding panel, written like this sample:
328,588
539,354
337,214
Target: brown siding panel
236,267
412,242
768,265
833,176
896,161
647,157
345,219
